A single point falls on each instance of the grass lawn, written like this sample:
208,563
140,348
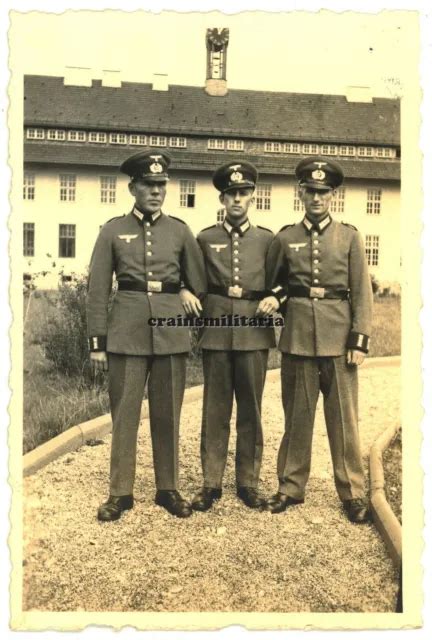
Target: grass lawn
53,402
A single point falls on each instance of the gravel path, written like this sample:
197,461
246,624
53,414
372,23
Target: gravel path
311,558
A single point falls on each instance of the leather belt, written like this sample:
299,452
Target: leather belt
318,292
237,292
153,286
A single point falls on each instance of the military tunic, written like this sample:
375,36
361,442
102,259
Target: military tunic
161,249
234,358
155,252
323,259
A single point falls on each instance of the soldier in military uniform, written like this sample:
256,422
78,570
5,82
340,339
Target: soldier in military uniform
152,256
322,265
234,358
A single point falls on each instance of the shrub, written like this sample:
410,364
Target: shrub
64,339
375,284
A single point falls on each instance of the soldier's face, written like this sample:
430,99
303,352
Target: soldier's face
149,195
237,202
316,202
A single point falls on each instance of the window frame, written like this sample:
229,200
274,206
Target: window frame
108,189
187,193
72,238
263,196
68,184
26,232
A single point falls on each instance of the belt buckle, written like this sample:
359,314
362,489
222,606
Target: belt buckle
316,292
235,291
154,285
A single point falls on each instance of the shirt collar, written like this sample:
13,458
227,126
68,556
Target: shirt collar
241,229
319,226
151,217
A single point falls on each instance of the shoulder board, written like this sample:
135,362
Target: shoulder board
264,228
115,218
212,226
286,227
178,219
350,225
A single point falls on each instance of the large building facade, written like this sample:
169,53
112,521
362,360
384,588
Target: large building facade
75,137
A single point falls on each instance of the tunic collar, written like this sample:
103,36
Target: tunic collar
151,217
241,229
319,226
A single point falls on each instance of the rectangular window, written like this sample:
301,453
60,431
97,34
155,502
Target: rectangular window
373,203
220,216
365,152
263,196
108,189
329,149
297,204
29,186
291,147
77,136
35,134
67,187
158,141
310,149
67,237
216,143
175,141
273,147
372,250
97,136
337,204
29,239
56,134
187,193
346,150
385,152
235,145
137,138
118,138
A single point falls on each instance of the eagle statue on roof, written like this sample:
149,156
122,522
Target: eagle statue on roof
217,39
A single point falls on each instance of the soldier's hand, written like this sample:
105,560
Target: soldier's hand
191,304
355,357
267,306
99,361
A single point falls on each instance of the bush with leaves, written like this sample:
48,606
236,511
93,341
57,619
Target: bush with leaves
64,341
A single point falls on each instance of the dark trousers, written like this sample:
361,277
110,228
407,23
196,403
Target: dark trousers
302,380
166,382
228,374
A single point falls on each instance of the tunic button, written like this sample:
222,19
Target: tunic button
316,261
236,235
236,244
149,253
236,259
235,252
147,224
149,293
316,280
315,251
315,233
236,277
149,243
148,233
316,241
236,269
316,270
150,273
316,299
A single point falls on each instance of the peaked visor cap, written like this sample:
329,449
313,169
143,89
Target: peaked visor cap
235,175
150,164
319,173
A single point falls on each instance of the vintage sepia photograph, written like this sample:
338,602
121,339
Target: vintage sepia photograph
213,404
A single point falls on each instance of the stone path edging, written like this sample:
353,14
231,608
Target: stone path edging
75,437
385,520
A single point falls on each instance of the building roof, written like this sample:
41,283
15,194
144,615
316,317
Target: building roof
111,157
268,115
